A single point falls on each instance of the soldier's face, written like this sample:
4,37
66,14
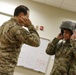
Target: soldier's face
67,35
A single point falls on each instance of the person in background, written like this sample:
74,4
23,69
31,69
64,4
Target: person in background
13,36
64,51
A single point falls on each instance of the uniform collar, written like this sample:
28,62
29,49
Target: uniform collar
14,19
70,43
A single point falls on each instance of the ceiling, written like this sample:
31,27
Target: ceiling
63,4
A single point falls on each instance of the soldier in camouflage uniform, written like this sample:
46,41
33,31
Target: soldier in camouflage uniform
64,51
12,36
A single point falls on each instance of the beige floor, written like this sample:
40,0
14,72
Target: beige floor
25,71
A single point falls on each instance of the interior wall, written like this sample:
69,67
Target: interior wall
40,15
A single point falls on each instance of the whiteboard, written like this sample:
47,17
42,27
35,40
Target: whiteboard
34,57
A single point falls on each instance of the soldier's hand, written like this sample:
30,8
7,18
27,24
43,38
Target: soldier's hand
60,36
25,21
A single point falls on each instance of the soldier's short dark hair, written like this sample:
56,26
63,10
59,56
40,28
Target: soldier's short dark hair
19,9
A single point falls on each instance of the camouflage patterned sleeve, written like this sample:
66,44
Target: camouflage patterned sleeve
72,70
52,46
30,37
74,50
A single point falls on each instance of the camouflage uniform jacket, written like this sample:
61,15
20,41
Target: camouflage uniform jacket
12,36
65,57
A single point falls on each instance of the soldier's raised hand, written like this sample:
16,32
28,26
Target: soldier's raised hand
26,21
60,36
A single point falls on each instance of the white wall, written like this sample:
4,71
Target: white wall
41,15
